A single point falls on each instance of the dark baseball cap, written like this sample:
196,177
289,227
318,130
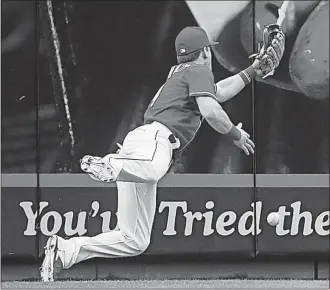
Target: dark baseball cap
191,39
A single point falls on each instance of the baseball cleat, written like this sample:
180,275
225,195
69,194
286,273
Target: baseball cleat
98,168
52,264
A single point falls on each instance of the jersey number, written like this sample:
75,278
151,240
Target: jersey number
156,96
173,70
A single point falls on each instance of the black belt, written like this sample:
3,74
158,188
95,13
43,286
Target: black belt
172,138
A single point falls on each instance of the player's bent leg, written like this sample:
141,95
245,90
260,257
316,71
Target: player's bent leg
136,210
147,160
114,244
136,214
144,158
63,254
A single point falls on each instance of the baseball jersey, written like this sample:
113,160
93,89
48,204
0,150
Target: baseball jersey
174,104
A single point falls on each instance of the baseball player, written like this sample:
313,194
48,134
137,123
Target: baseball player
171,121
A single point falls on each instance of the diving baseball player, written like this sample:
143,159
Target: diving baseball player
171,122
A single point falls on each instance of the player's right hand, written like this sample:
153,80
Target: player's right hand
245,143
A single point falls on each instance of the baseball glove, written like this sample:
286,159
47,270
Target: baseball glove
271,52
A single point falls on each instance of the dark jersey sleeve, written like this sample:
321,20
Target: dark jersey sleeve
201,82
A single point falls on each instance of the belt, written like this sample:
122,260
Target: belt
172,138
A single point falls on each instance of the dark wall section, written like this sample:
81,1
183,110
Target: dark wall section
18,86
115,56
19,222
292,132
304,223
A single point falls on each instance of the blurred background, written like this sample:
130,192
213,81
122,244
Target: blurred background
78,75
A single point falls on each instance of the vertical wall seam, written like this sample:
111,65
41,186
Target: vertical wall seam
37,84
254,158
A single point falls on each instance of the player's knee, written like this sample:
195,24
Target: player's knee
137,244
142,246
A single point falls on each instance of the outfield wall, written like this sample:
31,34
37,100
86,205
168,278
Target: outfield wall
211,218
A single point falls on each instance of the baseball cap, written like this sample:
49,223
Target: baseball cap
190,39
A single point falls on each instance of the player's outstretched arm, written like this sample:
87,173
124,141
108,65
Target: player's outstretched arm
229,87
218,119
264,65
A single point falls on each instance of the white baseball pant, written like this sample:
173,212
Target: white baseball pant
144,159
